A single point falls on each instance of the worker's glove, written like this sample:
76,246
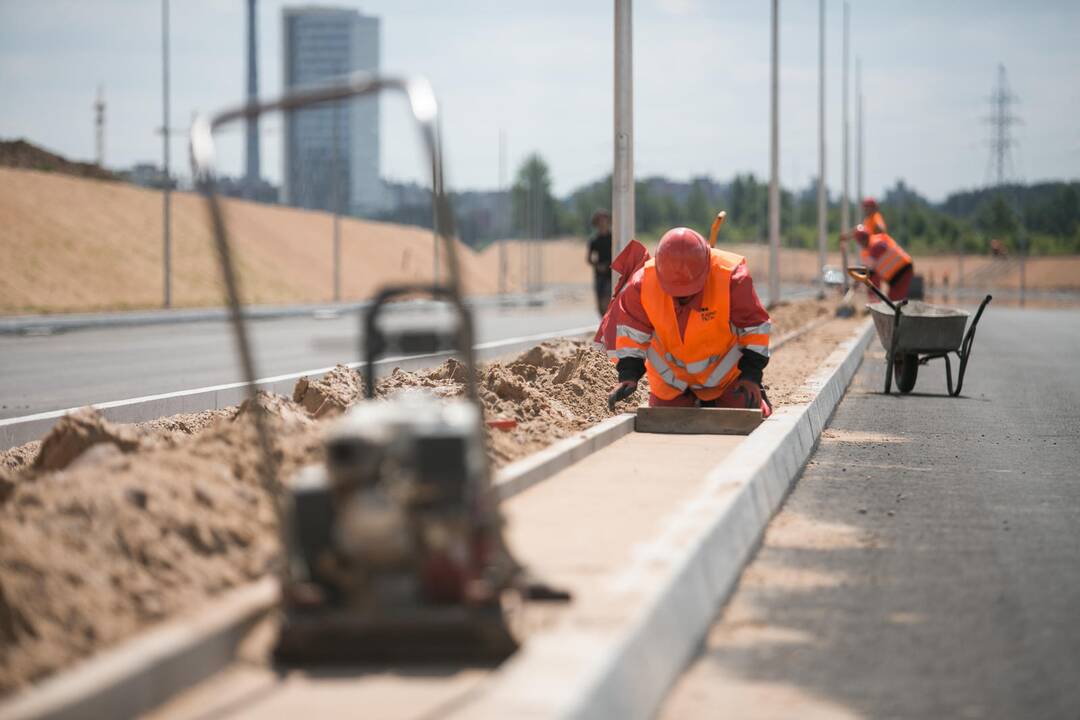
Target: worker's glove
752,395
623,390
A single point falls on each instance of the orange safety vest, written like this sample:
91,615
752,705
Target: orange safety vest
890,262
706,358
874,223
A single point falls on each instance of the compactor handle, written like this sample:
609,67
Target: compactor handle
376,344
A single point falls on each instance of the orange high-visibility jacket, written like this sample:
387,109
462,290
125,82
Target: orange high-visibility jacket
705,358
874,223
884,257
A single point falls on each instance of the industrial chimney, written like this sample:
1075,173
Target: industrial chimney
252,173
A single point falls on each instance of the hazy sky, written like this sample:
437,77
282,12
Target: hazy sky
542,71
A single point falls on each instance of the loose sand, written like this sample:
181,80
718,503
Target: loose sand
106,529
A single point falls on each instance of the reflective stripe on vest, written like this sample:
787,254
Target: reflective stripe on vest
631,342
706,357
892,260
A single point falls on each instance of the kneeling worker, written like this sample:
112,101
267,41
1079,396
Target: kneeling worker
690,319
885,260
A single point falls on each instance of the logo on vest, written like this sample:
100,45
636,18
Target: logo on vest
706,314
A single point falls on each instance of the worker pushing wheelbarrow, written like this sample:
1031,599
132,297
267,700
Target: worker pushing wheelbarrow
914,333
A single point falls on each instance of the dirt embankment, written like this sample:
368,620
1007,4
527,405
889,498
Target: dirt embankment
106,529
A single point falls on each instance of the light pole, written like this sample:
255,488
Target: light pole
622,179
774,161
336,165
822,188
502,214
845,220
165,129
858,130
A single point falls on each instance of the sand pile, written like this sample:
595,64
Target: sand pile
74,434
551,391
331,394
106,528
114,541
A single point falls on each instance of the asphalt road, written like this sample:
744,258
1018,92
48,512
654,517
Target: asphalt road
927,564
41,373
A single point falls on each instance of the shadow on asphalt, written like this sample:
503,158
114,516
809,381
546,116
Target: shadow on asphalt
927,578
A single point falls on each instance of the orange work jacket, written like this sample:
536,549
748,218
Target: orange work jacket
885,262
704,359
874,223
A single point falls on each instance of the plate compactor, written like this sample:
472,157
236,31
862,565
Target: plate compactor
395,548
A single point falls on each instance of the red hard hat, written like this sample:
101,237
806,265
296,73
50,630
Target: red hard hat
682,262
869,202
861,235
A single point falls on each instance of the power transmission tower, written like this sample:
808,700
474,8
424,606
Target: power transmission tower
999,168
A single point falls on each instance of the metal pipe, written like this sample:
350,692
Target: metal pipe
336,150
774,160
421,102
253,170
622,179
822,188
165,130
425,112
858,130
845,218
503,214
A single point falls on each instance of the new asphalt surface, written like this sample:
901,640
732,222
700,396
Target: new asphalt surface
52,372
927,563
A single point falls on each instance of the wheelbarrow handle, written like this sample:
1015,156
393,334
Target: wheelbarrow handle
859,273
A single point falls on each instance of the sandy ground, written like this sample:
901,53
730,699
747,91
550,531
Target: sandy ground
73,244
105,529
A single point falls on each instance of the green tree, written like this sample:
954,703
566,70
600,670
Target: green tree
534,210
995,218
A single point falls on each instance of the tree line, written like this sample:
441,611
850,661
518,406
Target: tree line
1041,218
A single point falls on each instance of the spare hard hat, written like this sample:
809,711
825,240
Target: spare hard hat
861,234
682,262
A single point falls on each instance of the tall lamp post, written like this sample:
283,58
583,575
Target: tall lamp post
622,179
822,188
165,130
774,161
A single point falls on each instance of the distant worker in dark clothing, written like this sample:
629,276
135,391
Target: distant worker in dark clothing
600,258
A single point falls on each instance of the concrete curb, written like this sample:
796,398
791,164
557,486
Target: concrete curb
47,324
517,477
619,654
19,430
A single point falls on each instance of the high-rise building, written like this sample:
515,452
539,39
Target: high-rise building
331,153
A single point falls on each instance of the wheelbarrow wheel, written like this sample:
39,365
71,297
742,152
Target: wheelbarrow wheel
905,370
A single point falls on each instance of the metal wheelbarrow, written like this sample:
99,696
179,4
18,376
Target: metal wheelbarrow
914,333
